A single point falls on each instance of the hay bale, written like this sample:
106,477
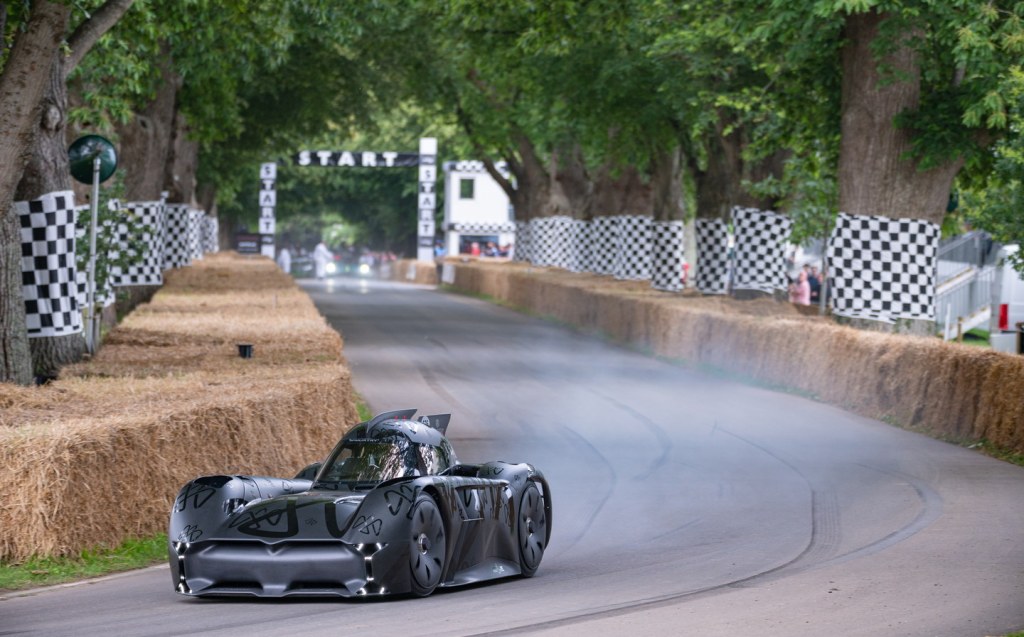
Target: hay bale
947,390
98,456
414,271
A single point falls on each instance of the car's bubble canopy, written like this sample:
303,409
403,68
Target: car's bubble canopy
385,449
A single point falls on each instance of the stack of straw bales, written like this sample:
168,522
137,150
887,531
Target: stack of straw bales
947,390
98,456
414,271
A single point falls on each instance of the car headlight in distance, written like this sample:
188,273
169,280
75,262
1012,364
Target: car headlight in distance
364,268
331,268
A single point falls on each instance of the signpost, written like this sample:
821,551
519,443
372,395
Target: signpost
427,200
426,161
92,159
268,201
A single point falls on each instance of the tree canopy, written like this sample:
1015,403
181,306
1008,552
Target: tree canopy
870,106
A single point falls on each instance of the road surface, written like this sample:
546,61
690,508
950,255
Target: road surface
683,503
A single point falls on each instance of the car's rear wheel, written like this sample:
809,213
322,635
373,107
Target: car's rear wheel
533,530
427,546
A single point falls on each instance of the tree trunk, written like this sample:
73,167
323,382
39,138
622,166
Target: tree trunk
716,182
875,177
145,141
48,171
182,162
572,187
667,185
621,191
22,85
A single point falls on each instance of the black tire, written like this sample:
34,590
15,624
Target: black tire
533,530
426,546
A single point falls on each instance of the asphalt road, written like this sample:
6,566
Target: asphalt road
683,503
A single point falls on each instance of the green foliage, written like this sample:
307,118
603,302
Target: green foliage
994,200
808,192
620,80
109,253
120,73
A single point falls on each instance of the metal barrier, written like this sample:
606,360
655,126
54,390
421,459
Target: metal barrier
964,303
973,249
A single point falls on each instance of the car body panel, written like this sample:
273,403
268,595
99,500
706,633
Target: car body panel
245,535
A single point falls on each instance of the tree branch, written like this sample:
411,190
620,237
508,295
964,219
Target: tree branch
92,29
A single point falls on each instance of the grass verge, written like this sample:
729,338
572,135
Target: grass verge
47,571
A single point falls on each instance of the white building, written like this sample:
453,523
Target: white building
476,209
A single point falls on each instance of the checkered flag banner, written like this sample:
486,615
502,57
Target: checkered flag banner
196,219
667,257
883,269
712,256
140,234
551,240
48,272
177,242
105,236
761,238
522,251
580,249
604,241
482,228
211,230
633,258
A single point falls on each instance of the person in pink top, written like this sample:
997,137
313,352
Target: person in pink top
800,290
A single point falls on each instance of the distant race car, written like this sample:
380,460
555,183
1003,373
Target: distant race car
390,511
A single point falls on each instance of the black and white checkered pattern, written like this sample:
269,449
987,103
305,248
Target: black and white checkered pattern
883,269
142,223
177,242
474,166
667,258
761,238
712,256
633,260
552,240
481,228
522,251
196,220
48,272
211,232
604,239
581,248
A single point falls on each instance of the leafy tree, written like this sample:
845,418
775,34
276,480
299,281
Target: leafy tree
994,200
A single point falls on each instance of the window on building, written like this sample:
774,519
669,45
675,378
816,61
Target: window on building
466,188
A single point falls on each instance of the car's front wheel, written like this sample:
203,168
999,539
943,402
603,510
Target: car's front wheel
427,546
533,530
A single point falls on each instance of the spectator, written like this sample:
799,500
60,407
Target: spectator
321,255
800,290
284,260
814,280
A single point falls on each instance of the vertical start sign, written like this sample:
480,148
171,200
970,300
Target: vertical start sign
427,199
268,201
425,161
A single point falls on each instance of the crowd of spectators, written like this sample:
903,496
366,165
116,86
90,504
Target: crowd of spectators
805,288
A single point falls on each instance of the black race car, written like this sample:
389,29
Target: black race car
390,511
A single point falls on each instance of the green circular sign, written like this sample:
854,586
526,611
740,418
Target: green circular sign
82,153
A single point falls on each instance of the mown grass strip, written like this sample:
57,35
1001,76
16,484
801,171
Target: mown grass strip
47,571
